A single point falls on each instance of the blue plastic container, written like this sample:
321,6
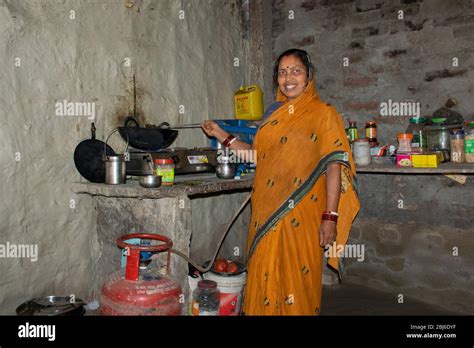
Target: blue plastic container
238,128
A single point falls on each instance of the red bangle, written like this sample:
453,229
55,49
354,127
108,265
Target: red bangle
331,213
228,140
329,217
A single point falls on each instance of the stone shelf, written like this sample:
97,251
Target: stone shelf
187,185
443,168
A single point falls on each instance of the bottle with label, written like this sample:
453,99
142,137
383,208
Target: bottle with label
416,127
206,298
469,143
371,131
352,131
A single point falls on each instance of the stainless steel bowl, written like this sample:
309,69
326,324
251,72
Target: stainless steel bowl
149,181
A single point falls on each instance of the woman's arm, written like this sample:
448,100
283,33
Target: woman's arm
243,149
333,192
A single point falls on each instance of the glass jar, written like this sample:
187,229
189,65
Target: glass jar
206,298
416,127
404,142
362,152
457,147
165,169
352,130
469,143
371,131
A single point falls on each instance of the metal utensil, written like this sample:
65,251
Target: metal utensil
150,181
52,306
225,169
88,158
115,166
166,125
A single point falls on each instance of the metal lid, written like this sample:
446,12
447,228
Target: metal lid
163,161
405,136
417,120
371,123
207,284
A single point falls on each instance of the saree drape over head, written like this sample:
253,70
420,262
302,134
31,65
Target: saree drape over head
294,147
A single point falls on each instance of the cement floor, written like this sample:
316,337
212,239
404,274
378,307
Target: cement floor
351,299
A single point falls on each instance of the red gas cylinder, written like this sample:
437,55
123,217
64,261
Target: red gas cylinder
145,293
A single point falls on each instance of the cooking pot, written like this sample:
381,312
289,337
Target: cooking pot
150,181
147,139
115,166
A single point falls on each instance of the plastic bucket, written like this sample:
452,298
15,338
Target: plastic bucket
232,288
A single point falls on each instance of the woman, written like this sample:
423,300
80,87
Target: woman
303,196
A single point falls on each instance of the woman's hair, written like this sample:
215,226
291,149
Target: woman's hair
303,57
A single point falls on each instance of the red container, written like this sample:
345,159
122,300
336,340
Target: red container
133,294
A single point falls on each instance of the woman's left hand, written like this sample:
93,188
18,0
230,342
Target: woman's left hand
327,233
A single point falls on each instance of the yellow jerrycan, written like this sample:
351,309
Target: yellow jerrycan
248,103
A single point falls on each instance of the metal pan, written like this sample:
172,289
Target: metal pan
147,139
51,306
88,158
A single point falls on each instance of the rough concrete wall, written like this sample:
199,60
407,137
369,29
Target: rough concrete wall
417,235
410,59
210,217
88,51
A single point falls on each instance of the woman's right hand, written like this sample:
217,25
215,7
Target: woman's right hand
212,129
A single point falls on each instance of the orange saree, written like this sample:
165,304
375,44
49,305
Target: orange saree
294,146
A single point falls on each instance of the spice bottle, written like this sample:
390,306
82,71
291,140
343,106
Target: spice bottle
352,130
206,298
404,142
457,147
371,131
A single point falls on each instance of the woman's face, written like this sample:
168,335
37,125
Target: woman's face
292,79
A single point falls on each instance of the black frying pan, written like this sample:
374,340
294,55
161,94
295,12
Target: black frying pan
146,139
88,158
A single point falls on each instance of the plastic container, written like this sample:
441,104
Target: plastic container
404,142
416,127
206,298
231,288
469,143
243,130
165,169
457,147
362,152
248,103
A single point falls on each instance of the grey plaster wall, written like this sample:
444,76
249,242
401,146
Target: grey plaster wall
88,51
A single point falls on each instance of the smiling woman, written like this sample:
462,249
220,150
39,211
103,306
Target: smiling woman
305,166
292,71
303,196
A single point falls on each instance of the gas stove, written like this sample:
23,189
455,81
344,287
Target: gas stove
186,161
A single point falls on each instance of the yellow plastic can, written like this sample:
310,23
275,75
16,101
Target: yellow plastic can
248,103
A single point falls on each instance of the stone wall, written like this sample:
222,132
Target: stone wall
183,56
422,54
